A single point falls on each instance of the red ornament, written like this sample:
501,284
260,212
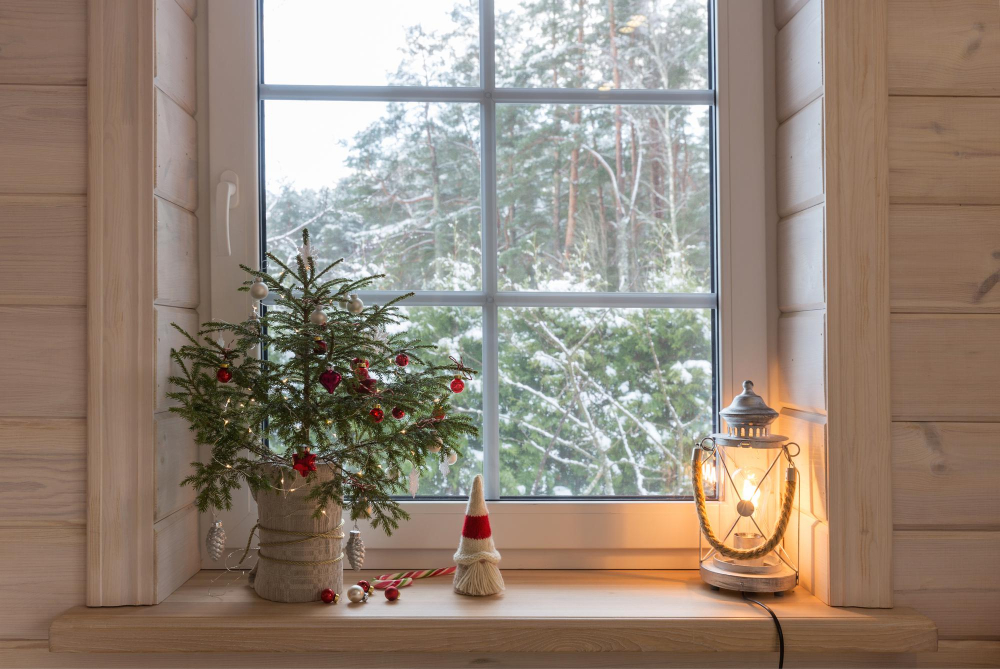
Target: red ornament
330,380
361,373
438,413
358,362
397,413
304,463
365,585
329,596
319,346
457,385
402,360
377,414
224,375
368,386
392,593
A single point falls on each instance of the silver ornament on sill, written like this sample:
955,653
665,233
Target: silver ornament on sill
258,289
215,542
354,304
355,549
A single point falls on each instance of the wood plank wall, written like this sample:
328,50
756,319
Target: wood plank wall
801,265
43,312
944,190
176,298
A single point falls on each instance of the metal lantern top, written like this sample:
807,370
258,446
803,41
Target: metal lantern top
747,422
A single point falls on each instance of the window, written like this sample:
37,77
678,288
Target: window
548,177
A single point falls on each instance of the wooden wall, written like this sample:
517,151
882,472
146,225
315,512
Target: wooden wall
43,312
176,296
944,190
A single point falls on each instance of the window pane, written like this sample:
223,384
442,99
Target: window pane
458,332
391,187
372,43
602,402
604,198
602,44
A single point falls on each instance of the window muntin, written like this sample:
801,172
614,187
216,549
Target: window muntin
404,200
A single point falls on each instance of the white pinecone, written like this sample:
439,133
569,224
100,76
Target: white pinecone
355,550
216,540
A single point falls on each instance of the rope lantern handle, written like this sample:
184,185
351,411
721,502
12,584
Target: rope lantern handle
788,495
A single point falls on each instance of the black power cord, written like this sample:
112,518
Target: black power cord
777,626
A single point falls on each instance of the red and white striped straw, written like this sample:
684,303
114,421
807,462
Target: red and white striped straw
419,573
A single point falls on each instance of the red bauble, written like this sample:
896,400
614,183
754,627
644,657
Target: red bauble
330,380
438,413
358,362
319,346
366,585
402,360
392,593
304,463
329,596
457,385
368,386
224,375
397,413
361,373
377,414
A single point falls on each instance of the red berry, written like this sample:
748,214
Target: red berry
330,380
402,360
392,593
329,596
457,385
224,375
377,414
366,585
397,413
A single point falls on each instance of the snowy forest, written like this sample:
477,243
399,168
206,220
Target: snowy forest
590,198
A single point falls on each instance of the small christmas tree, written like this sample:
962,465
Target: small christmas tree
333,389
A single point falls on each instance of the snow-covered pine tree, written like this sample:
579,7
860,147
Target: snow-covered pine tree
332,388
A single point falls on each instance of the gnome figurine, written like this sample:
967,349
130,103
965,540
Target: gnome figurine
477,558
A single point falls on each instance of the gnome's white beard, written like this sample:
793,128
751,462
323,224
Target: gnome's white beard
480,577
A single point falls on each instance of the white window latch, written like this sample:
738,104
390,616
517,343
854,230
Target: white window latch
227,196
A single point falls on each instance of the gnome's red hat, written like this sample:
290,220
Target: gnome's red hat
477,557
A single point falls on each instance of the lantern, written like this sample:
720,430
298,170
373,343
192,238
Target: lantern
751,473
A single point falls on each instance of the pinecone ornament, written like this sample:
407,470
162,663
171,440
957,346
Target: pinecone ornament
355,550
216,540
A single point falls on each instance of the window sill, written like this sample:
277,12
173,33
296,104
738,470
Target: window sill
541,612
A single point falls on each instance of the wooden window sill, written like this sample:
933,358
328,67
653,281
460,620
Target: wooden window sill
541,612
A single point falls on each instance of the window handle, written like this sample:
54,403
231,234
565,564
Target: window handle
227,196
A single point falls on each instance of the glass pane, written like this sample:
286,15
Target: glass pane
604,198
602,44
391,187
602,402
458,332
373,43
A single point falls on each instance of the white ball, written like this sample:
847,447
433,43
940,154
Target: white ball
355,305
356,593
436,446
452,458
317,317
258,290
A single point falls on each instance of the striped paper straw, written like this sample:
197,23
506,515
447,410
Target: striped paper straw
419,573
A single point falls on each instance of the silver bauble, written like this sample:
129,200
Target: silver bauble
355,305
258,289
356,594
355,550
317,317
215,542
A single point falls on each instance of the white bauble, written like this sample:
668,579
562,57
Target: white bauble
317,317
356,593
258,289
355,305
452,458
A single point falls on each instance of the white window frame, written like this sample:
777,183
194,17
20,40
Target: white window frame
531,533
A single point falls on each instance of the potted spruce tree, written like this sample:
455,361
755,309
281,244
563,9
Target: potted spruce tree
326,418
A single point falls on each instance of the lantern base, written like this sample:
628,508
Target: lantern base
718,577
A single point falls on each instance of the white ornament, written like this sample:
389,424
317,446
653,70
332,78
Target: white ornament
258,290
436,446
452,458
221,342
215,542
317,317
355,549
306,251
355,305
254,316
414,481
444,468
357,594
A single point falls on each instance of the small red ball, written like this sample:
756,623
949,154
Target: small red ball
365,585
457,385
319,346
377,414
397,413
402,360
438,413
329,596
224,375
392,593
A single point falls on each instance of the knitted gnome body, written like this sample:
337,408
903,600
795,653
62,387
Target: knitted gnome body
477,558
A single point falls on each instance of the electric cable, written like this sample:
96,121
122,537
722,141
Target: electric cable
777,626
